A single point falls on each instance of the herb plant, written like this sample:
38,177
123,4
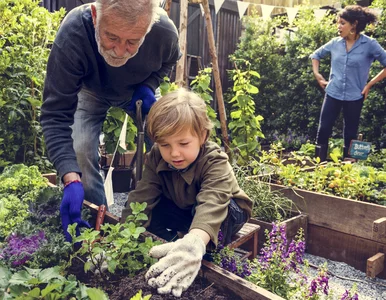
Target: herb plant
44,284
119,246
268,205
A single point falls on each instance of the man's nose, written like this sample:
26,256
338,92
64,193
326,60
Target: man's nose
121,50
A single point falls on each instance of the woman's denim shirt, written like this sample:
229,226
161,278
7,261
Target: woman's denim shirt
350,70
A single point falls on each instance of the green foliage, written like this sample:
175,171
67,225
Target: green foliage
138,296
26,32
264,51
352,181
245,126
112,127
44,284
372,123
19,187
200,85
119,245
268,205
166,86
376,159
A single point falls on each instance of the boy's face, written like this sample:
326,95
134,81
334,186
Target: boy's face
180,150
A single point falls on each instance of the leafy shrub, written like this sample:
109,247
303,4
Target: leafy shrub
19,187
26,32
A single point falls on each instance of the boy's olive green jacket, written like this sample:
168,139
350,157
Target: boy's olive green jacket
208,183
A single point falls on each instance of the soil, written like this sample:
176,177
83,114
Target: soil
120,287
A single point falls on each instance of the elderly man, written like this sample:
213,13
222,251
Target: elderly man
107,53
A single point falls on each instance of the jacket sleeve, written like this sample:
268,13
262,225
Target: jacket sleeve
217,185
62,84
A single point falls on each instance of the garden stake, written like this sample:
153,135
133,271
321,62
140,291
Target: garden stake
100,216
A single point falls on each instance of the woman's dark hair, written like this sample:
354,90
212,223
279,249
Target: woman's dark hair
362,15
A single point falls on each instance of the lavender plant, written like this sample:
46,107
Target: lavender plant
283,270
227,259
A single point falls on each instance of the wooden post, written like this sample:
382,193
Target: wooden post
180,70
168,5
379,230
216,75
375,265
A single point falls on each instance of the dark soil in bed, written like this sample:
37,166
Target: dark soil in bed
123,287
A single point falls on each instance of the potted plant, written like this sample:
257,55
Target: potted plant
111,129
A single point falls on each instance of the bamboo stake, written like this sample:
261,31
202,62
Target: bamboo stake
216,75
180,70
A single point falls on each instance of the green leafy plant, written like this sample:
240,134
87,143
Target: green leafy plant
245,126
119,246
19,187
44,284
112,127
352,181
27,31
139,296
200,85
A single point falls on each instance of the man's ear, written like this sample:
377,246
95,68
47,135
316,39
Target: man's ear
93,14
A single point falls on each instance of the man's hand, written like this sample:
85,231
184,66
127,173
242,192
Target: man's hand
178,266
145,94
71,207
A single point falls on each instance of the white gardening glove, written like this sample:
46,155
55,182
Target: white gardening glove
178,266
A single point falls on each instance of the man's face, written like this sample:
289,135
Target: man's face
117,40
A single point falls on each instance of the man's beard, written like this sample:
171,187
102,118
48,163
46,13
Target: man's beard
109,55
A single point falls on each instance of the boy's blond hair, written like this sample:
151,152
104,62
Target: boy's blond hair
177,111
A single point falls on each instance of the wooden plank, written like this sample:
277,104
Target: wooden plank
375,265
247,239
292,227
340,214
379,230
342,247
225,280
51,177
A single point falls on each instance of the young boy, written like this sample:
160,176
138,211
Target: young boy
189,186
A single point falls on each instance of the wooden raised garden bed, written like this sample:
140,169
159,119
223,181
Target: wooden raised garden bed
343,230
292,227
222,279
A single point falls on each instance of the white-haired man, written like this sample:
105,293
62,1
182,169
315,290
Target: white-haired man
107,53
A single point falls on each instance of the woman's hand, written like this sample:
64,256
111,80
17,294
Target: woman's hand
365,91
321,81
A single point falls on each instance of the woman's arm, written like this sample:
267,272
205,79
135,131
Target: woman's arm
380,76
319,77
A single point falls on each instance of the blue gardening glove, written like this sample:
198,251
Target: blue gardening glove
144,93
71,207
